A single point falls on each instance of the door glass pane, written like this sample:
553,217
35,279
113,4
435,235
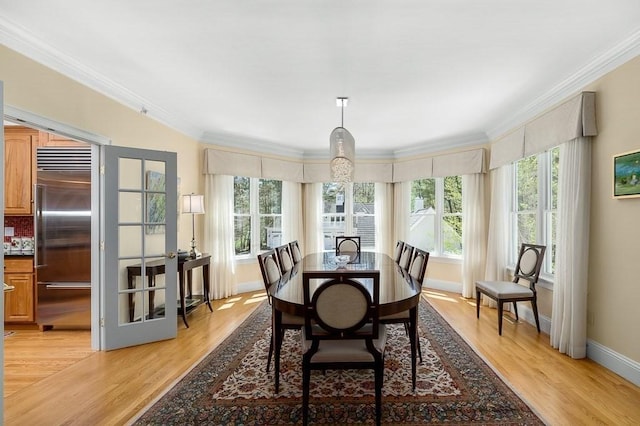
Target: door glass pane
130,241
129,172
133,308
155,303
130,275
154,175
131,203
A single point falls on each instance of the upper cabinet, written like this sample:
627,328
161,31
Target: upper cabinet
20,145
50,139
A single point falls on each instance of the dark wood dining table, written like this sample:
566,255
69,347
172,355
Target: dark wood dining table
398,290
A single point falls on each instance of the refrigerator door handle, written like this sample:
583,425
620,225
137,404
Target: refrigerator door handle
38,192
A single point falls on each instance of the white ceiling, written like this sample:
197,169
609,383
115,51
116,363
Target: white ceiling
421,75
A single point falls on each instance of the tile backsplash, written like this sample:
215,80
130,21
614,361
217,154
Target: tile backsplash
22,226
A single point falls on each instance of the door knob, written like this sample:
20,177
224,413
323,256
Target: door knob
170,255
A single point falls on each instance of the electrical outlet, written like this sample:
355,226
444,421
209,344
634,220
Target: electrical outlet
9,231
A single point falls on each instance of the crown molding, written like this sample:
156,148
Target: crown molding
598,67
442,144
252,144
22,41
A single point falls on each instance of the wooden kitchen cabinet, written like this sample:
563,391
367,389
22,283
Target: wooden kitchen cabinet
20,145
50,139
19,304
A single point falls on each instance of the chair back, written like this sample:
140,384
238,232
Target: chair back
529,264
284,258
405,258
296,254
342,309
398,252
270,269
418,265
348,245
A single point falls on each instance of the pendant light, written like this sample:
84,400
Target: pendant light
342,150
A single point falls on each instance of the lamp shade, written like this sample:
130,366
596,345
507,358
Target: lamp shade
193,204
342,152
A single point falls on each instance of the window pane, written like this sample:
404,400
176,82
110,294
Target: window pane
270,196
453,194
365,227
423,194
270,232
526,228
555,167
332,227
241,195
452,235
332,198
527,183
242,234
364,198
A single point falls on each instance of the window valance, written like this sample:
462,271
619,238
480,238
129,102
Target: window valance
570,120
237,164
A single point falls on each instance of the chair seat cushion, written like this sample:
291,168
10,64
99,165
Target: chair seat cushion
345,350
503,289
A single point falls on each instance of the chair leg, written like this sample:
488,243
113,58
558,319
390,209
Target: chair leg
270,352
500,309
379,377
515,310
534,307
477,304
306,378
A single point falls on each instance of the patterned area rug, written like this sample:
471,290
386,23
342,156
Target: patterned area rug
231,386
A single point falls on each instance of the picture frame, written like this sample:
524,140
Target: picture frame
626,175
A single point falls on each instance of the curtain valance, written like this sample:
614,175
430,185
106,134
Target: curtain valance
570,120
236,164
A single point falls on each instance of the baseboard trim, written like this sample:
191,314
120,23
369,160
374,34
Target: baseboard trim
619,364
250,286
451,286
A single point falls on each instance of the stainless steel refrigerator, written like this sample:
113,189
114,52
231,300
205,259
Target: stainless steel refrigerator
63,237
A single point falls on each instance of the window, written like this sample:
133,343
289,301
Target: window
535,204
257,211
435,222
348,210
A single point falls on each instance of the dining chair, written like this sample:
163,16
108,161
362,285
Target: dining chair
407,255
294,249
271,275
528,268
284,258
417,270
342,331
398,251
348,245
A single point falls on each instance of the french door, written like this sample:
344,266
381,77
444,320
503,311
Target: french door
139,239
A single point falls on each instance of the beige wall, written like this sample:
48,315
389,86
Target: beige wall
614,271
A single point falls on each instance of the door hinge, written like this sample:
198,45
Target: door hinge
102,169
101,245
101,322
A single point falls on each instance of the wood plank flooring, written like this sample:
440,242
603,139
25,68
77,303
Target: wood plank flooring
68,384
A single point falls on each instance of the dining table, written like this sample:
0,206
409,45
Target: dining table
398,291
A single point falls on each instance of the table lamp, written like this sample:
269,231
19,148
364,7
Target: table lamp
193,204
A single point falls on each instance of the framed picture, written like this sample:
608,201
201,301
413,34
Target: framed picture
626,175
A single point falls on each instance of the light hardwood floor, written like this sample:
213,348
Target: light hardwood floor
71,385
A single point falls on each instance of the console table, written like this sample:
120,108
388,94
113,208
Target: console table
156,267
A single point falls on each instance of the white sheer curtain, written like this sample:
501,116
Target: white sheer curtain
312,210
292,213
474,233
219,238
384,218
402,203
498,236
569,318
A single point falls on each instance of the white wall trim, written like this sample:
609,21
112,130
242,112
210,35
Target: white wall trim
610,359
451,286
250,286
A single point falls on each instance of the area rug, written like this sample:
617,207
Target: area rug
230,385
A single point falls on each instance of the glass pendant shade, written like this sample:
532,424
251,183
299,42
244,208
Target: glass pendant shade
342,151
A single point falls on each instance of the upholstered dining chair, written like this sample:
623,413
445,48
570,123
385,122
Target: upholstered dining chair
406,256
271,275
284,258
342,331
528,268
349,246
294,249
417,269
398,251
